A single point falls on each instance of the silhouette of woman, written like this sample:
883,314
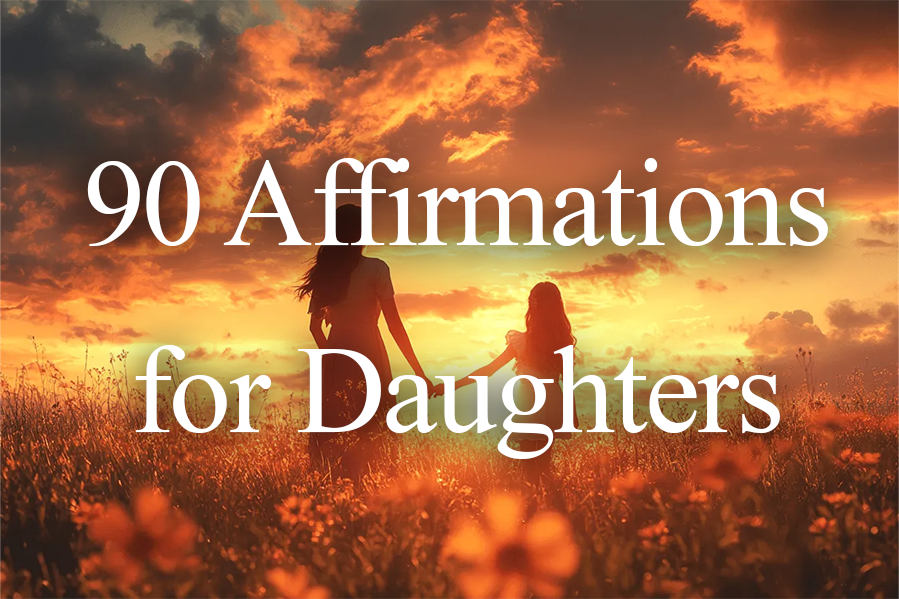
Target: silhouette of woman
547,331
349,291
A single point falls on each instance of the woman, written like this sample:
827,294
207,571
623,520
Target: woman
349,291
547,331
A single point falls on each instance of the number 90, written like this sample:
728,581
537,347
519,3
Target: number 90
133,201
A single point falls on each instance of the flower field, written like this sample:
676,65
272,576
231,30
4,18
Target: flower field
90,508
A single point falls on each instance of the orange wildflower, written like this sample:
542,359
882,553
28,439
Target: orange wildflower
655,534
510,558
751,521
724,465
784,447
838,499
295,585
630,483
84,512
890,422
699,496
408,490
860,459
657,586
4,578
158,535
829,419
820,525
294,510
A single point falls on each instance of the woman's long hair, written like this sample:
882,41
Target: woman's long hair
328,278
548,328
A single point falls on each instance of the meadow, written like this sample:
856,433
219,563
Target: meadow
90,508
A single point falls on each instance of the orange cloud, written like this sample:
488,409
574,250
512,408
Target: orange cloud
101,332
449,305
269,91
617,267
711,285
423,75
201,353
783,332
692,146
858,339
881,225
476,144
768,71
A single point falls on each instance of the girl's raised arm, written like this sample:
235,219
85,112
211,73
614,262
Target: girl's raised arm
488,370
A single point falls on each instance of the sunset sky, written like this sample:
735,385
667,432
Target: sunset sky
543,95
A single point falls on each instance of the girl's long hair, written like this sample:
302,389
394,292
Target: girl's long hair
548,328
328,278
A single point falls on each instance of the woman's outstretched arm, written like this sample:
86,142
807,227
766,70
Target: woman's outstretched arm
488,370
318,332
398,331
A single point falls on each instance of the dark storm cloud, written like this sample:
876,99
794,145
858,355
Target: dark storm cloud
73,99
833,35
619,54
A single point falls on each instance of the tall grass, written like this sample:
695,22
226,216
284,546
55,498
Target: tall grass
91,508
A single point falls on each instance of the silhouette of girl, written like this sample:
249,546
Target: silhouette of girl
547,330
349,291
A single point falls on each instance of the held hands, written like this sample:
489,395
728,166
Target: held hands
433,390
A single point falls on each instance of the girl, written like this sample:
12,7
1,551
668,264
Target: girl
547,330
349,291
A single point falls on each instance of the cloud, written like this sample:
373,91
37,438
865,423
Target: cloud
107,305
874,243
711,285
617,268
228,353
474,145
458,303
249,298
101,332
881,225
692,146
15,307
843,316
441,70
297,88
293,383
858,338
832,62
779,332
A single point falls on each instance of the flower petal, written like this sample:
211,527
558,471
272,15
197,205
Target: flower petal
151,509
550,542
468,543
479,583
504,513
